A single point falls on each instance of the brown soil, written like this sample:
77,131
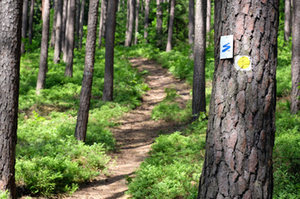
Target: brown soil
136,133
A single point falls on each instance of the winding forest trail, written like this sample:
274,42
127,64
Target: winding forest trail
136,133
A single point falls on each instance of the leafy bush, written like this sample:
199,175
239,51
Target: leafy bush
4,195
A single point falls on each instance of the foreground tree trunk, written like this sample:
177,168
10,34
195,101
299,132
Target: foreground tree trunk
102,21
295,101
137,21
241,126
31,22
159,16
199,103
86,88
81,23
44,48
109,53
24,24
147,3
129,32
191,21
10,39
287,19
57,50
171,25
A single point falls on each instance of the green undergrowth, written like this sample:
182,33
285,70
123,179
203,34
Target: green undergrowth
48,158
4,195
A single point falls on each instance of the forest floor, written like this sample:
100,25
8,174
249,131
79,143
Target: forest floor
136,133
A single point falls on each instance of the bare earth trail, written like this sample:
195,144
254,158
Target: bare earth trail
136,133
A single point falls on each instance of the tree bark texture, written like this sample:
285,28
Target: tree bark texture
136,21
295,102
191,21
198,101
66,45
171,25
52,40
70,39
241,126
109,53
208,15
57,50
86,88
147,3
159,16
44,48
77,22
31,22
24,24
102,22
81,23
129,32
287,19
63,26
10,39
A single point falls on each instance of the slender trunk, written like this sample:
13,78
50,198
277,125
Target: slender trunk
137,22
42,9
53,31
159,15
86,88
208,15
171,25
57,50
10,39
81,23
127,20
129,34
24,24
287,20
63,26
109,53
31,21
77,23
295,102
66,45
44,48
147,2
102,21
70,39
191,21
199,103
241,126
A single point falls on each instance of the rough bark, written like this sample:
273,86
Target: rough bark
109,53
86,88
44,48
81,23
287,19
295,102
136,21
77,22
63,26
66,44
198,101
191,21
53,31
10,39
103,16
171,25
129,32
24,24
241,126
57,50
31,21
70,39
159,16
147,3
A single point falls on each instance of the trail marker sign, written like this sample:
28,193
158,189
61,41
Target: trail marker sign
226,47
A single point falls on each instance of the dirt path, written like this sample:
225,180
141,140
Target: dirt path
136,133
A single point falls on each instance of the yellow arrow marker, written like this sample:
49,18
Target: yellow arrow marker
244,62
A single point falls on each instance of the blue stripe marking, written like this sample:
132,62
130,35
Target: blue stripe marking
226,47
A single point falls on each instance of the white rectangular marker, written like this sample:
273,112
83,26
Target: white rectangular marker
226,47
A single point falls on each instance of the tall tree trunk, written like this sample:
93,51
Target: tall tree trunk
199,103
109,53
53,31
147,2
159,16
171,25
42,9
287,19
295,102
24,24
81,23
31,22
66,45
77,22
129,33
191,21
70,39
64,26
86,88
137,22
57,50
10,39
241,126
44,48
102,22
